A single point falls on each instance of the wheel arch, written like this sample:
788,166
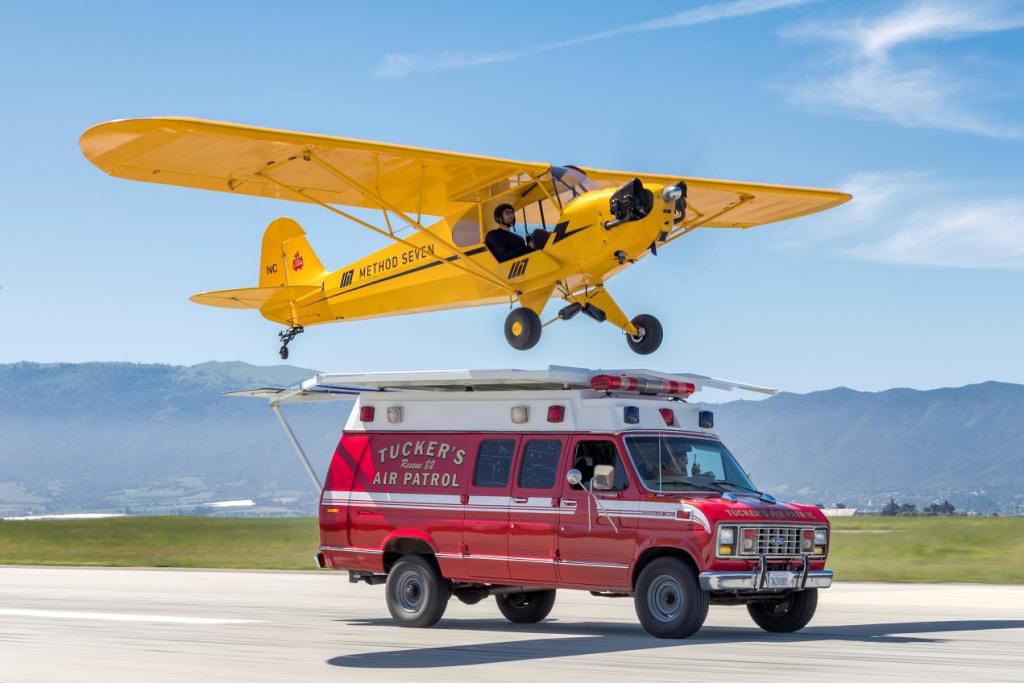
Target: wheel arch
408,542
656,552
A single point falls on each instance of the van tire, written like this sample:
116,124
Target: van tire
668,599
526,608
788,615
416,594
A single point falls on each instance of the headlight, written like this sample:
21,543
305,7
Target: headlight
820,536
726,540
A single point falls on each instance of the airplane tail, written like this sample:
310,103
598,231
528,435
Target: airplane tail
289,270
286,257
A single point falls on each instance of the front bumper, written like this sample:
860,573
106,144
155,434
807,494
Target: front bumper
756,581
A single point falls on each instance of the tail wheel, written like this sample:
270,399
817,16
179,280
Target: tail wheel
526,608
648,334
787,615
668,599
416,593
522,329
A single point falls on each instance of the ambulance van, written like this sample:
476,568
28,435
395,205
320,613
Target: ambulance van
516,484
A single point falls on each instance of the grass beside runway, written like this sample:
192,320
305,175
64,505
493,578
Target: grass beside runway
928,549
919,549
215,542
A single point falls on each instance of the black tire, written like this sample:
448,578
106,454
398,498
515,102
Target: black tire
668,599
526,608
787,615
650,335
416,593
522,329
284,353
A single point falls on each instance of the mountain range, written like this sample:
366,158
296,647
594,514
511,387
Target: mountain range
133,438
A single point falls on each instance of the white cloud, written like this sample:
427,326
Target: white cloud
913,218
875,81
396,65
974,235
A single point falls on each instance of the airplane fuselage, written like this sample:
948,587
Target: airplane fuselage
422,275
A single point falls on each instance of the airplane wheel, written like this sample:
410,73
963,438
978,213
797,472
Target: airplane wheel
284,353
522,329
649,335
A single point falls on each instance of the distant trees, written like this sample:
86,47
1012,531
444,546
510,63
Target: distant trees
943,508
892,508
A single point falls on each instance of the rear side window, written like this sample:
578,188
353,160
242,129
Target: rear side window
539,469
493,462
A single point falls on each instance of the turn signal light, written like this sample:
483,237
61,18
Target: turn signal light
366,414
725,550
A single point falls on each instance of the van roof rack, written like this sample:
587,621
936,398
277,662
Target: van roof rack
335,386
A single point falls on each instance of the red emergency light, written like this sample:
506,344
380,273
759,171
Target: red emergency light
556,413
643,385
366,414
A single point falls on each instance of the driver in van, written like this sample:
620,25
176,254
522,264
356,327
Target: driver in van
677,463
506,245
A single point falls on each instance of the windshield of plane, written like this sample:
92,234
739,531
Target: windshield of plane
557,189
679,463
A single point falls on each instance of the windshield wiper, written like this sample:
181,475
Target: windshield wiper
741,487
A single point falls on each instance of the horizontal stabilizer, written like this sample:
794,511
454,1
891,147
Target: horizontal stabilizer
260,298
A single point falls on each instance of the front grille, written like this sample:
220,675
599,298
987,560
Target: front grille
777,541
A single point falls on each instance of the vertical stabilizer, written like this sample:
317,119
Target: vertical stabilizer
286,257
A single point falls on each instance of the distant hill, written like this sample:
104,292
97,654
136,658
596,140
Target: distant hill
160,438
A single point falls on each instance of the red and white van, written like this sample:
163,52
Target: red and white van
519,483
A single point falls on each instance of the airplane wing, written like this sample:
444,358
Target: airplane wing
248,160
732,204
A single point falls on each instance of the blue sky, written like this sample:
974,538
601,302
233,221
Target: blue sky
914,107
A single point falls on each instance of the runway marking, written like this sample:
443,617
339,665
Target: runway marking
109,616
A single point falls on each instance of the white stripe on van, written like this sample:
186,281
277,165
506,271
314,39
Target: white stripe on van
632,509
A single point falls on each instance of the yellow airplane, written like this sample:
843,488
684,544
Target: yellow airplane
587,224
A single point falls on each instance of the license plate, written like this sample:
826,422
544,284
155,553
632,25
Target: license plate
779,580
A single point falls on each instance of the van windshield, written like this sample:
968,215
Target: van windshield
679,463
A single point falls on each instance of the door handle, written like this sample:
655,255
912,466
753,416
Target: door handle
568,503
520,500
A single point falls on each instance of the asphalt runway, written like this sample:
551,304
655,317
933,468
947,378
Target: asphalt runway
193,625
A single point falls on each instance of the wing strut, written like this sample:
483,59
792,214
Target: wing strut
481,272
701,219
391,235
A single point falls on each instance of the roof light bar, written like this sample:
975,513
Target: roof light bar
642,385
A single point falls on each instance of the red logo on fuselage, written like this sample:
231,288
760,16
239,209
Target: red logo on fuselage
297,261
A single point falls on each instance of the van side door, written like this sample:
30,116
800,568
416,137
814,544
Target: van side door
591,551
485,529
534,511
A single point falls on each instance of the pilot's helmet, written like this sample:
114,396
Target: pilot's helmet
500,210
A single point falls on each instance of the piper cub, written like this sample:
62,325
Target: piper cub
519,483
580,226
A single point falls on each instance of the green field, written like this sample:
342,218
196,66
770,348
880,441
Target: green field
923,549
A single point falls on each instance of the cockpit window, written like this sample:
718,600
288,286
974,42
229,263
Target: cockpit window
568,182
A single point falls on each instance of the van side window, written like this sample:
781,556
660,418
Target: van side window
493,462
539,468
591,453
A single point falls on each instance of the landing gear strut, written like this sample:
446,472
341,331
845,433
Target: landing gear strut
286,338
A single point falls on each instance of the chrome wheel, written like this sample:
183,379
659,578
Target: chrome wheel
409,592
665,598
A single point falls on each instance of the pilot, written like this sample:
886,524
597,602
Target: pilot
504,244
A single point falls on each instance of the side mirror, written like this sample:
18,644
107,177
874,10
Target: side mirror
604,477
574,477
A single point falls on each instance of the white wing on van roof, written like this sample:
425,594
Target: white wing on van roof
334,386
